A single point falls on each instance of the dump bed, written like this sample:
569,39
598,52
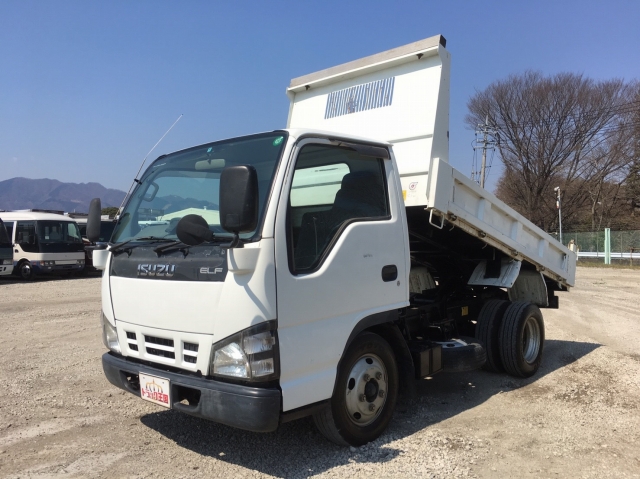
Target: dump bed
465,204
402,96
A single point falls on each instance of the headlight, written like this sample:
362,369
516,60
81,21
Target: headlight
6,261
251,354
80,261
109,335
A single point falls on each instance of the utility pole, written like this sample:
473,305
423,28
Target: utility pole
559,206
484,152
488,142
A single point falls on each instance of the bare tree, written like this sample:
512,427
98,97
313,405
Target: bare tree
632,182
564,130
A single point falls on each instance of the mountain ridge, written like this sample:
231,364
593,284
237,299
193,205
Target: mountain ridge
22,193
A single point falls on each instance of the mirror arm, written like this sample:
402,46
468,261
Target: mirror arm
235,243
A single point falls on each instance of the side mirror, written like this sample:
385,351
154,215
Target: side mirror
239,199
93,220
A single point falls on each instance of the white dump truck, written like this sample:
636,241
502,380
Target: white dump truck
321,269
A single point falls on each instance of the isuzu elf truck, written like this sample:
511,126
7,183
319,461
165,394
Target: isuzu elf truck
323,268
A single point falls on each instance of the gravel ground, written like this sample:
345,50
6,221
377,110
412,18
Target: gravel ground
578,417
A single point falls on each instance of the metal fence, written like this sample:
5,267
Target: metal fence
591,244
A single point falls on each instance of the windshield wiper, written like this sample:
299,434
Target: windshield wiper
179,245
174,245
116,247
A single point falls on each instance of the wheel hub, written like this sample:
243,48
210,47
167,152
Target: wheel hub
366,389
531,340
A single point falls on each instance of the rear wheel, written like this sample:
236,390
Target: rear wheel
488,332
365,393
25,271
522,339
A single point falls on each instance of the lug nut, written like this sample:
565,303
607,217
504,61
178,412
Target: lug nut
362,398
381,393
366,377
378,375
371,407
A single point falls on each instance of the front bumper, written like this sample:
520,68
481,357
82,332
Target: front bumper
56,268
244,407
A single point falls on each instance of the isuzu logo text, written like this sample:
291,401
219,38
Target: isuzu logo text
162,270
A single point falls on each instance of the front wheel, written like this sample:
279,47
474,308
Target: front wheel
25,271
365,394
521,339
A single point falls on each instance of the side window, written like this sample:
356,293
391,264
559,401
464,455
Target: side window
73,232
26,236
332,187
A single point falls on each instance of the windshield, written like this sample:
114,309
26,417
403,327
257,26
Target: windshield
58,232
106,228
188,182
4,236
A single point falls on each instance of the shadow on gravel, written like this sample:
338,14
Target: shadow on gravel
297,449
46,278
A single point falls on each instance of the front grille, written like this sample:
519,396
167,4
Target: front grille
190,351
159,341
162,353
191,347
132,342
162,349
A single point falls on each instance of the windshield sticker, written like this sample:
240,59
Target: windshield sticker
278,140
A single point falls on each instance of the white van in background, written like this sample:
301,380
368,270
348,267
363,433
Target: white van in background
43,243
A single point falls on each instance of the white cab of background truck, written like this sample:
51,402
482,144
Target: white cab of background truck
321,269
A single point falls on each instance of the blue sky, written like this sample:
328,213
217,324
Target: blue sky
88,87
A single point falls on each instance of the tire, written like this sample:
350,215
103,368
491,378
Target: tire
462,354
365,394
522,339
488,332
25,271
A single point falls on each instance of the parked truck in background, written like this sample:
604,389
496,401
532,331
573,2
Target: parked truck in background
6,251
107,225
320,269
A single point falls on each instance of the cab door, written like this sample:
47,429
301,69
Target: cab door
341,258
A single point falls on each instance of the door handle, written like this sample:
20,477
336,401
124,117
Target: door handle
389,273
